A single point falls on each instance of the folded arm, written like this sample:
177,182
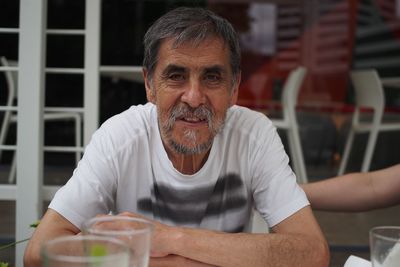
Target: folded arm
297,241
51,225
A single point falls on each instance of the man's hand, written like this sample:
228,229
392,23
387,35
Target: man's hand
296,241
163,236
161,245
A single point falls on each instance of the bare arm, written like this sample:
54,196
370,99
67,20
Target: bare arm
176,261
51,225
297,241
356,191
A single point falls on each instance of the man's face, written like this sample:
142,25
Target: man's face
192,87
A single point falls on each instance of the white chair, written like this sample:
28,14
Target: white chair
289,121
10,116
368,94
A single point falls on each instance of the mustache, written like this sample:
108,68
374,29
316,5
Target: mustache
185,111
182,110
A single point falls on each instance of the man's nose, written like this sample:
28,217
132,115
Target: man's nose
194,95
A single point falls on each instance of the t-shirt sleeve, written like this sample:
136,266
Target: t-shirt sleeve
275,190
91,188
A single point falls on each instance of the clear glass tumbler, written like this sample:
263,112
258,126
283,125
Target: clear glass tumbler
385,246
135,232
85,251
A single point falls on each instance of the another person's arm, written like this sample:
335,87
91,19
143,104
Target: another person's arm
296,241
356,191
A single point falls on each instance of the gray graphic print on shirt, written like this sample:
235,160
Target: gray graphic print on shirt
183,206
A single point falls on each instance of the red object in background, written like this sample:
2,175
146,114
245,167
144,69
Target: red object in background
324,46
319,35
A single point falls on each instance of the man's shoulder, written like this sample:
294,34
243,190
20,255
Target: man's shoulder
132,124
136,116
242,118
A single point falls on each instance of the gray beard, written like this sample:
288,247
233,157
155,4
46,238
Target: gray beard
196,149
190,135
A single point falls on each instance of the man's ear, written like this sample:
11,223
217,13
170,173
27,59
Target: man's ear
235,89
147,83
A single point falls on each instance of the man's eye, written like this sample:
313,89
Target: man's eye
176,77
213,77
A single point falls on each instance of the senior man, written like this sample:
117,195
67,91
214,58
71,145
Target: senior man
191,161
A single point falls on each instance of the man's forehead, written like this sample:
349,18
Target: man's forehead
174,44
211,54
216,68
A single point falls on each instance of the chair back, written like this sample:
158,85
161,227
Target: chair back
368,93
291,91
289,122
368,89
11,95
11,77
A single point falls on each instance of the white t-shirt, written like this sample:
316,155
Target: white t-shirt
126,168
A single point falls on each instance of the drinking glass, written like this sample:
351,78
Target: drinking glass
385,246
85,251
134,231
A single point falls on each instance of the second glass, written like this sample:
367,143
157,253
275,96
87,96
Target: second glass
135,232
385,246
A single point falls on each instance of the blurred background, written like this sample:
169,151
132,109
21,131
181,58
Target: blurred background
330,38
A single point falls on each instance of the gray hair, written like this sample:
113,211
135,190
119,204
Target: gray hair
194,25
